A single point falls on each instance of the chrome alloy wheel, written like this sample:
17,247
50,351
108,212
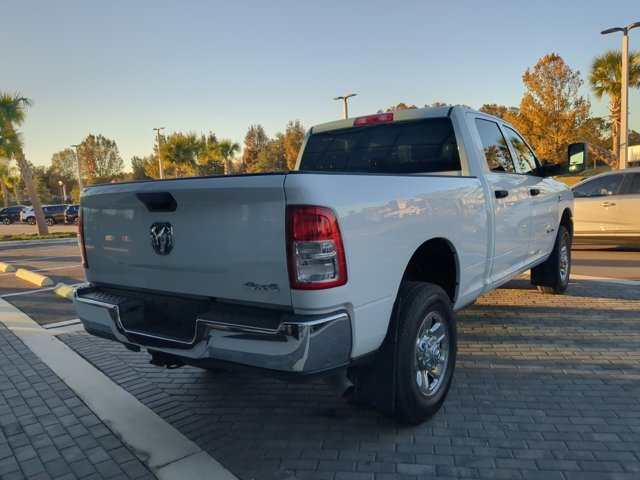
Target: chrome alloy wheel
564,261
432,354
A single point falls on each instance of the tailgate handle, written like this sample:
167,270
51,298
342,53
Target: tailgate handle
158,201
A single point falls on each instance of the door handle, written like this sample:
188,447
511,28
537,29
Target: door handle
502,193
608,204
534,192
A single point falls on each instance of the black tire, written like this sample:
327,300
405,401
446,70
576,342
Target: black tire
6,221
553,275
426,351
31,220
49,221
76,221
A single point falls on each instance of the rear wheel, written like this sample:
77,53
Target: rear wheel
31,220
6,221
426,351
412,372
553,275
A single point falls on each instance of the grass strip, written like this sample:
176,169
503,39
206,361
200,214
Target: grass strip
35,236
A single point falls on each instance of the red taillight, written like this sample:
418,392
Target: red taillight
371,119
83,251
314,248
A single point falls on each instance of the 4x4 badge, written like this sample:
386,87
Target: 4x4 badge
162,238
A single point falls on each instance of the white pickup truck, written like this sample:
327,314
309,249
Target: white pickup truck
348,268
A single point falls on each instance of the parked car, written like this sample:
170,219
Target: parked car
606,208
8,215
52,214
71,214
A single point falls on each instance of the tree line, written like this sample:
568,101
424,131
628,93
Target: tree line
551,115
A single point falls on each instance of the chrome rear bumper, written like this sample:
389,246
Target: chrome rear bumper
276,340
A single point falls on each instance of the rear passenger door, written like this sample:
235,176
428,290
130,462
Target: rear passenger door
510,201
543,195
628,209
596,207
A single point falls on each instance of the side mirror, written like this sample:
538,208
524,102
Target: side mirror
577,157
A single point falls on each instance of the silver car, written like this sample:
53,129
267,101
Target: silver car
607,208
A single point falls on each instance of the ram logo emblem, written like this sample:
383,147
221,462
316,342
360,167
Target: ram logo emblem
162,238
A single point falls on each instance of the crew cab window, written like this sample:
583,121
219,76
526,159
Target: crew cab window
599,187
414,146
525,159
495,146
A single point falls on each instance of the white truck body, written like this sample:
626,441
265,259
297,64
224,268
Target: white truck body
228,258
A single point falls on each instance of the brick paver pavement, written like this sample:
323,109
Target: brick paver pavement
546,388
46,431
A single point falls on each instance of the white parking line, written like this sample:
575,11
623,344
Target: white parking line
65,323
17,294
34,259
27,292
57,268
588,278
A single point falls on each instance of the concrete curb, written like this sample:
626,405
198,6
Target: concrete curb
64,290
5,267
34,277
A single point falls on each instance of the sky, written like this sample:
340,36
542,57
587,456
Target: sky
121,68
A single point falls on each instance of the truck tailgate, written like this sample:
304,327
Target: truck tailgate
221,237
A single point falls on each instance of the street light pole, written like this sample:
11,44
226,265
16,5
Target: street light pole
62,191
344,99
157,130
80,185
624,96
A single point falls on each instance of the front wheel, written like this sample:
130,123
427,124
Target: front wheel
6,221
31,220
553,275
50,221
426,351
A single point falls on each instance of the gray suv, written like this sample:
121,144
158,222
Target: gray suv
52,214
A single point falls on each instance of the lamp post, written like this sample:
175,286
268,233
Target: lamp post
63,190
624,97
157,130
80,185
344,99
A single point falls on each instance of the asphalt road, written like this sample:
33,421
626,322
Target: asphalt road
606,261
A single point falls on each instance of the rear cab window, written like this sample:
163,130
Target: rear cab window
402,147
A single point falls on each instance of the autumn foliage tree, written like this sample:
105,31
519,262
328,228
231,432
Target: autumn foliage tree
552,113
100,159
255,141
293,138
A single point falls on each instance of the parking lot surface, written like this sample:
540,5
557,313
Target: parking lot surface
545,387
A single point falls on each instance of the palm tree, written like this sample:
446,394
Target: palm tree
605,79
13,182
4,173
12,114
227,149
182,149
